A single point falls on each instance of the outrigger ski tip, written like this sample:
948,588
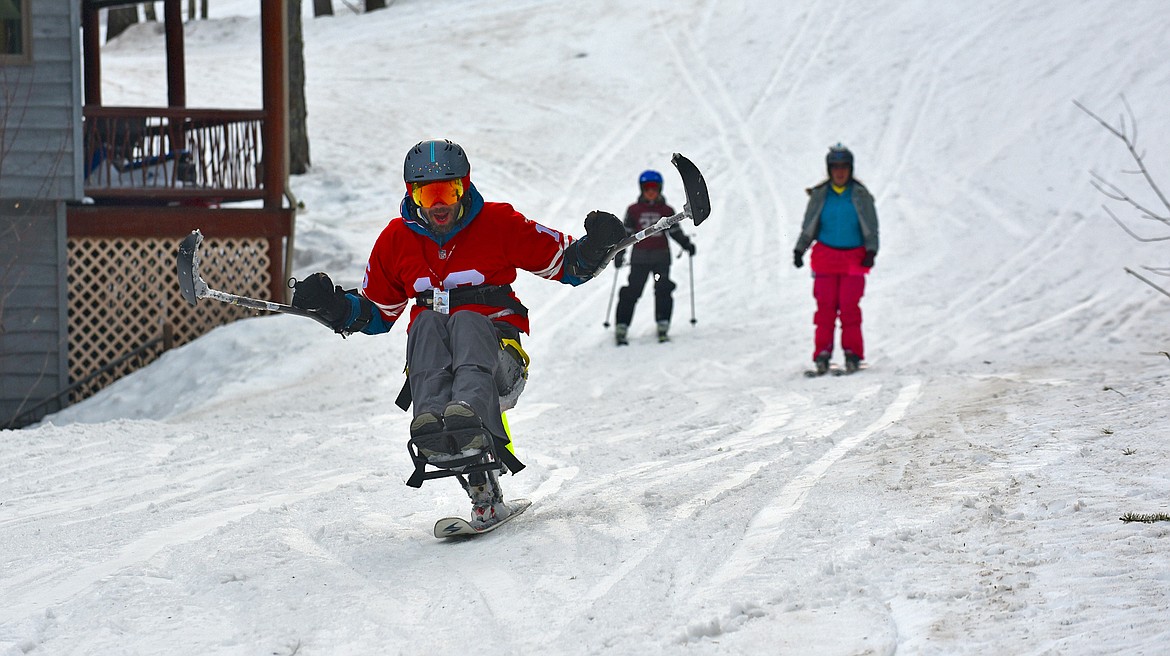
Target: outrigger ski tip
188,268
697,208
698,204
193,287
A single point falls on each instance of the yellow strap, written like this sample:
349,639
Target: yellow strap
504,418
505,343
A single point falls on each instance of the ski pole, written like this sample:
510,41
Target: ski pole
611,293
691,266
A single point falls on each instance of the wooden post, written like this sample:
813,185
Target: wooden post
274,45
92,47
176,71
274,31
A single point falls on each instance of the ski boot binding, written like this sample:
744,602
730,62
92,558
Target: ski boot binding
455,444
458,436
487,499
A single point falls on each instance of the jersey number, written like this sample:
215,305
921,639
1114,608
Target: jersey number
453,280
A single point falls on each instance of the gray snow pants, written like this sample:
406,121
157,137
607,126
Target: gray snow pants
453,357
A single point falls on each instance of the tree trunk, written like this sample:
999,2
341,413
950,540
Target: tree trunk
298,128
190,10
322,8
118,20
150,13
371,5
203,10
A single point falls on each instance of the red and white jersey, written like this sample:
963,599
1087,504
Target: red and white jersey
485,251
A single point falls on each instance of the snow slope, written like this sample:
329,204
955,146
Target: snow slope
244,494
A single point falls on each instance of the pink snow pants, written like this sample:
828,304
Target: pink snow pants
838,296
838,285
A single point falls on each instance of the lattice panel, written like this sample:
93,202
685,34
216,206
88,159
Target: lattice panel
123,290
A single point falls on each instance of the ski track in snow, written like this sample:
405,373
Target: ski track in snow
36,591
767,524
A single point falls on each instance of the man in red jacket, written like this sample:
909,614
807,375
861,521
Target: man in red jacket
456,255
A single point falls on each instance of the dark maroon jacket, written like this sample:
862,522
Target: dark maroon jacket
642,215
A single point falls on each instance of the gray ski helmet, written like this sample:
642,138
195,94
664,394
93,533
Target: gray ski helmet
839,154
431,161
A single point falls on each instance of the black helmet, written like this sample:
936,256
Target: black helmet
431,161
839,154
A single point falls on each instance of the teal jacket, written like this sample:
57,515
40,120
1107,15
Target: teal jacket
862,202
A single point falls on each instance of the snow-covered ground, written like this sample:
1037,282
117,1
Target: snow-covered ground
245,495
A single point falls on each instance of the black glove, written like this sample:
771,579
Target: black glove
690,248
619,259
797,259
318,294
867,261
602,232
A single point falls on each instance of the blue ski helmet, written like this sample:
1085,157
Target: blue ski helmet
839,154
650,176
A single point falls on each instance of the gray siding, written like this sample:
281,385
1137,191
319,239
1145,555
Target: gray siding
40,170
40,109
33,328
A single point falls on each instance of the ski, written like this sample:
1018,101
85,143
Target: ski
452,527
832,370
846,372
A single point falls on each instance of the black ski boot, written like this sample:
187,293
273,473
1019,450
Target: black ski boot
822,363
425,424
459,415
852,362
620,334
460,434
663,329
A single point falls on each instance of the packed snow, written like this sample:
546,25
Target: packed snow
245,493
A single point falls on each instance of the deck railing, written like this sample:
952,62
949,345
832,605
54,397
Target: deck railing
173,154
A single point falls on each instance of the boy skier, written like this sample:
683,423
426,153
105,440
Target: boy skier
651,255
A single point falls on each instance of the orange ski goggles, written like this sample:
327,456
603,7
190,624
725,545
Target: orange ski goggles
443,192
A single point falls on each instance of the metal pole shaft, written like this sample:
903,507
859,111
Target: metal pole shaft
611,293
691,266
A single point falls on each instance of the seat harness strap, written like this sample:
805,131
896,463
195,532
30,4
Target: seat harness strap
491,295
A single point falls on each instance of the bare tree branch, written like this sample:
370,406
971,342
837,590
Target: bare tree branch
1126,130
1112,191
1131,233
1145,280
1128,136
